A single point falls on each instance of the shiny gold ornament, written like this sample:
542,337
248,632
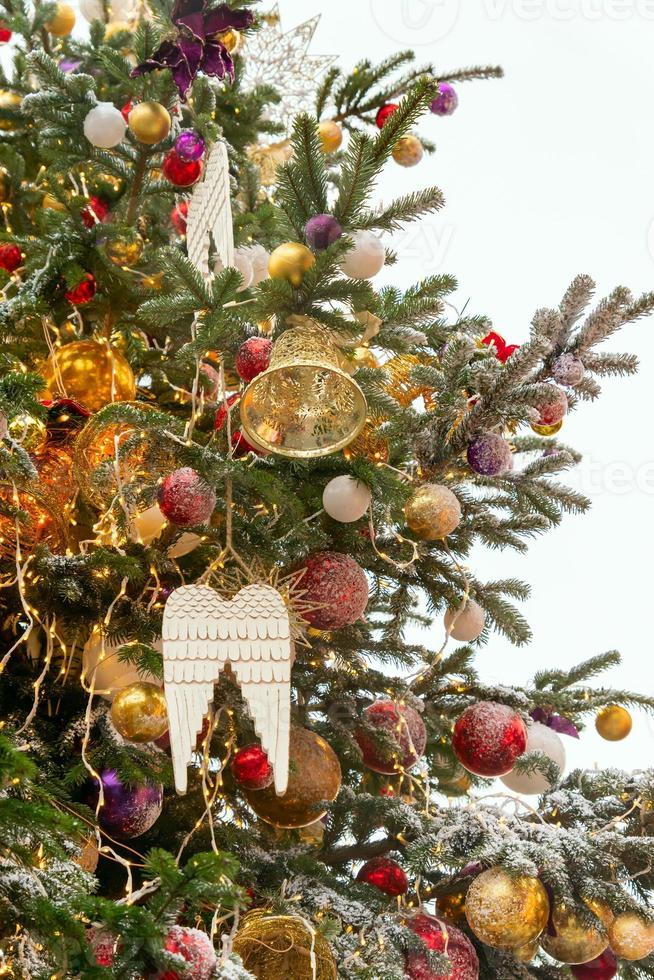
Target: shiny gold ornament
631,937
139,712
369,443
506,911
525,954
315,776
432,512
400,384
63,21
304,405
44,521
408,151
91,372
280,947
125,250
269,159
29,431
452,907
5,186
52,203
547,430
231,40
614,723
150,122
291,262
8,100
573,942
330,135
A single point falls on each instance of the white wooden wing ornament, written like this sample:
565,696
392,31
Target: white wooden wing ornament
203,634
210,214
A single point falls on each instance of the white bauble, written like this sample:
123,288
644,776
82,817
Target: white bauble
120,10
146,526
105,672
91,10
540,738
367,257
243,264
468,624
346,499
259,258
104,126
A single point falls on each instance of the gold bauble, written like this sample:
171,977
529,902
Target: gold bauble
452,907
29,431
506,911
614,723
291,262
315,775
5,186
231,40
150,122
400,385
547,430
279,947
92,373
52,203
432,512
63,21
572,941
525,954
125,250
369,444
631,937
139,712
8,100
408,151
330,135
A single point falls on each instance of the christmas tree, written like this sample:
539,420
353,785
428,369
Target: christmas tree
239,484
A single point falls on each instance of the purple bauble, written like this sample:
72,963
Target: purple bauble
189,145
568,370
128,811
321,231
446,101
490,455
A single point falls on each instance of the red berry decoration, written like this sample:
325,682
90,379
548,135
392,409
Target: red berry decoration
385,114
488,738
221,415
605,967
83,292
386,875
195,948
5,34
441,937
178,217
10,257
406,729
555,408
338,587
253,357
186,499
181,173
95,209
251,769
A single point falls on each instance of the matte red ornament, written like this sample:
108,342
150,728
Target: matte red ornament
488,738
181,173
338,588
195,948
251,769
441,937
253,357
185,498
385,114
10,257
83,292
221,415
5,34
178,217
386,875
406,728
605,967
96,208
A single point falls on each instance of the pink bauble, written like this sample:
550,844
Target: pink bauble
195,948
488,738
554,408
337,586
406,728
441,937
185,499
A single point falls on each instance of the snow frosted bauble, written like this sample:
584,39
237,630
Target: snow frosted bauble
62,21
91,373
253,357
251,769
490,455
568,938
631,937
505,911
337,586
291,262
150,122
139,712
447,100
553,408
366,258
568,370
314,777
330,135
104,671
321,231
104,126
127,811
186,499
542,739
346,499
103,945
433,511
488,738
604,967
10,257
283,947
195,948
406,730
385,875
441,937
613,723
181,173
465,625
408,151
259,258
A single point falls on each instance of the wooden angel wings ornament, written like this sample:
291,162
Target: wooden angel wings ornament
203,634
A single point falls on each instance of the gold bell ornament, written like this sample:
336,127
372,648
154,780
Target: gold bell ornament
304,405
277,947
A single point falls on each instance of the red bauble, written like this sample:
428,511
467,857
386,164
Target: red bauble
554,410
96,208
386,875
251,769
127,108
385,114
488,738
181,173
441,937
83,292
605,967
404,725
178,217
221,415
5,34
186,499
10,257
102,944
337,586
195,948
253,357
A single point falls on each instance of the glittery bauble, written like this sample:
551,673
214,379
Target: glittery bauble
92,373
605,967
186,499
613,723
291,262
446,101
139,712
488,738
251,769
337,586
568,370
408,151
10,257
553,409
506,911
452,907
386,875
631,937
125,249
315,777
128,811
465,625
330,135
385,113
195,948
178,217
525,954
346,499
547,430
321,231
62,21
441,937
95,211
181,173
150,122
405,741
542,739
280,947
433,511
366,258
490,455
104,125
569,940
253,357
83,292
103,944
